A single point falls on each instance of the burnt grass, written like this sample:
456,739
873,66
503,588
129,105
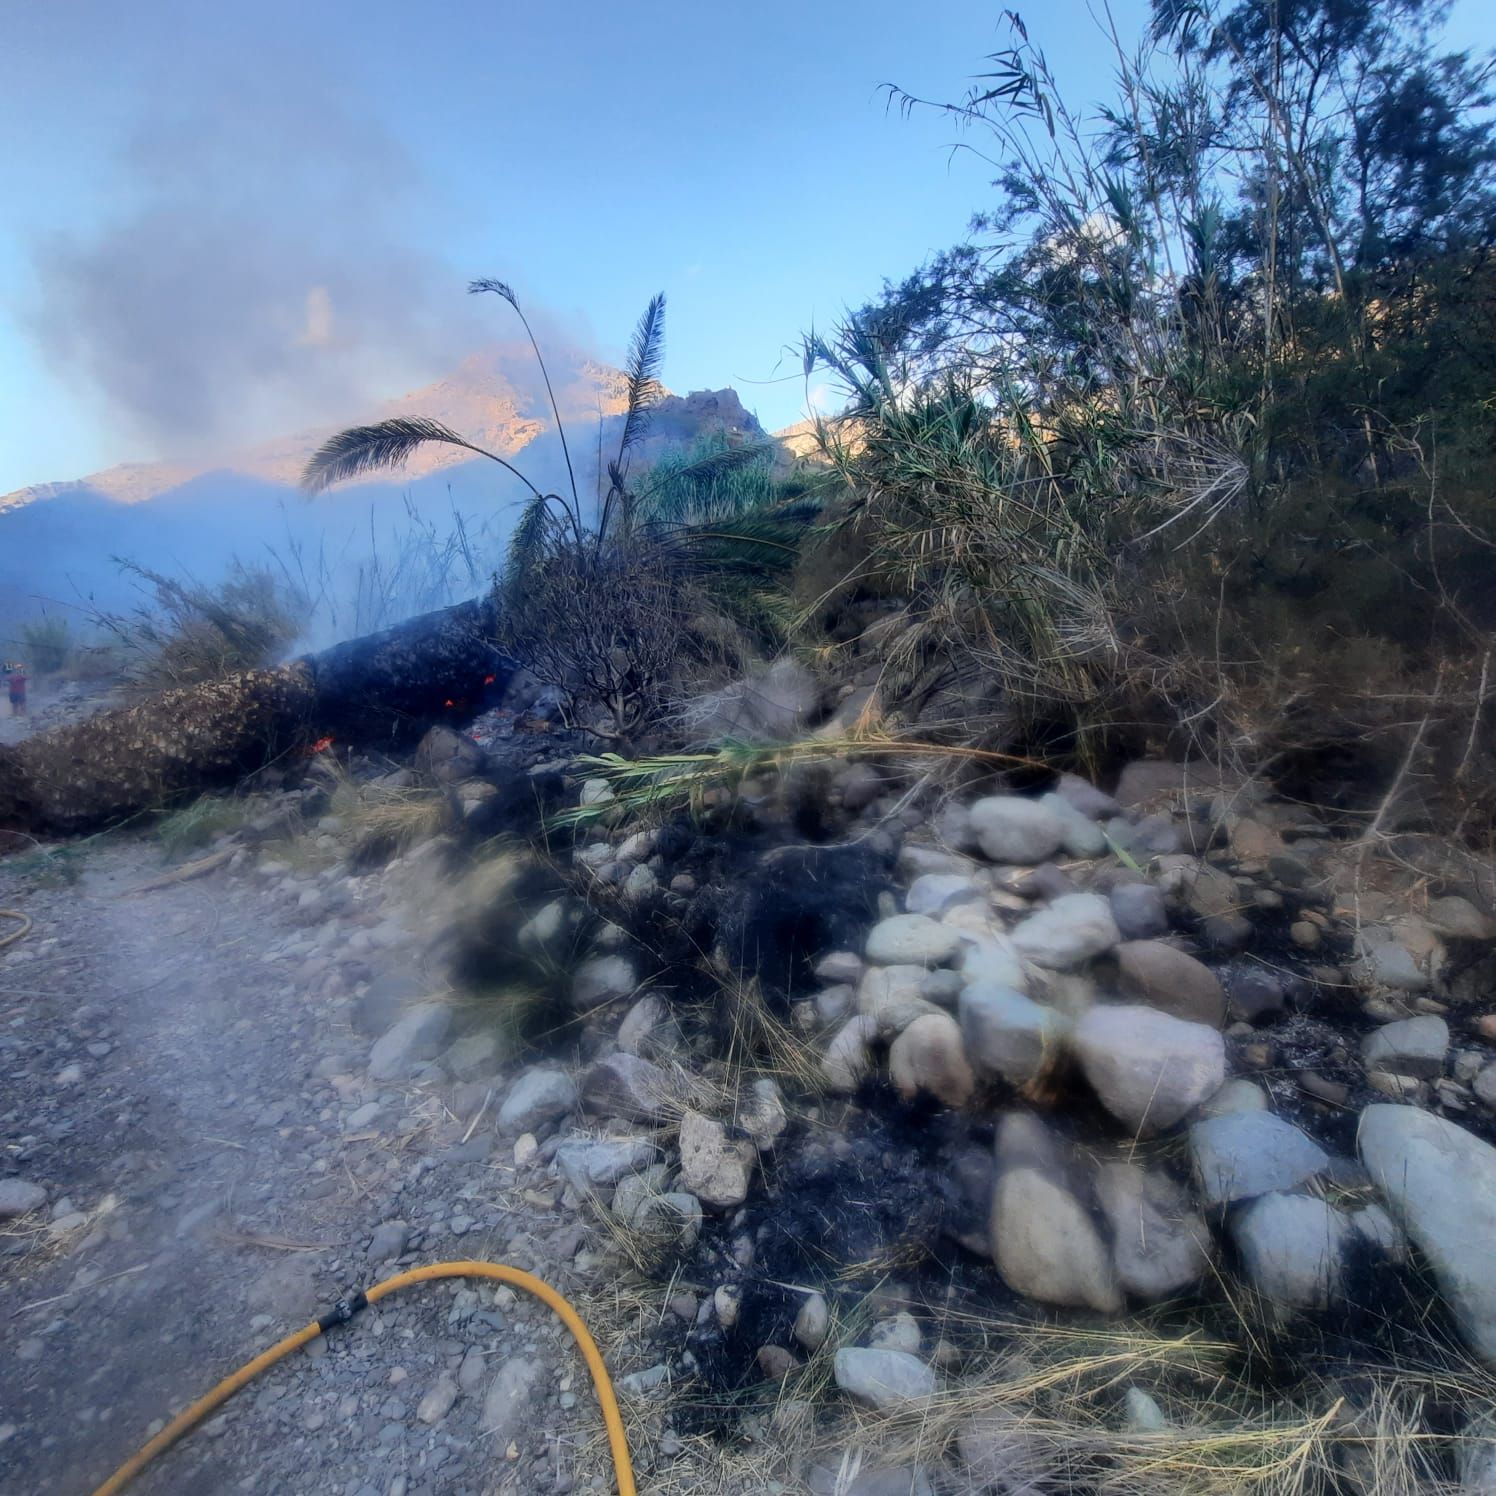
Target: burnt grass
879,1212
881,1204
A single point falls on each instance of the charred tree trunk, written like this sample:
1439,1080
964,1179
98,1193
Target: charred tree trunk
381,690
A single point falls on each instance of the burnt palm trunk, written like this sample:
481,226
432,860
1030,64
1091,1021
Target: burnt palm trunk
381,691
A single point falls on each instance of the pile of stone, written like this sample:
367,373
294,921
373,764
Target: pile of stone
1076,973
1074,944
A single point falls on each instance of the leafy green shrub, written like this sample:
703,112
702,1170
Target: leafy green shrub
1207,395
48,643
191,633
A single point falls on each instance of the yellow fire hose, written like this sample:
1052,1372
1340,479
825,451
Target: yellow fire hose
345,1309
14,935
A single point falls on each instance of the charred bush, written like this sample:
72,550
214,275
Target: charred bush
802,902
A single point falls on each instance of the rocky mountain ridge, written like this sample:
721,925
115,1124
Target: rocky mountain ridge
60,542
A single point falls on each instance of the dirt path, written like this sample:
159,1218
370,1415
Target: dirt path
181,1072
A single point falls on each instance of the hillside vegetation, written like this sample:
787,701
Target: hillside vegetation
1192,438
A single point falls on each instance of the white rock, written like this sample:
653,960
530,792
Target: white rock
928,1057
418,1036
839,967
1074,929
848,1057
727,1304
1008,1035
587,1165
1083,796
1411,1046
1238,1095
1081,836
634,1190
1149,1069
1292,1247
714,1167
762,1116
437,1402
1484,1086
545,930
912,940
506,1405
648,1027
1375,1225
813,1322
1140,911
623,1085
1045,1246
1143,1414
1458,917
1244,1154
882,1379
1159,1241
673,1219
1387,963
1439,1182
993,958
898,1333
603,979
538,1096
637,846
1009,829
18,1197
474,1056
934,893
892,997
1000,1452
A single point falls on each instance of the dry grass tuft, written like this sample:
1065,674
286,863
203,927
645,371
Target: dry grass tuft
389,817
759,1043
197,824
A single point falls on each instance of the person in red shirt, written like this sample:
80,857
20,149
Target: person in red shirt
16,680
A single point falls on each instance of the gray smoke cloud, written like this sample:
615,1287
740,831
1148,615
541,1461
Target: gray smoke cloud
254,272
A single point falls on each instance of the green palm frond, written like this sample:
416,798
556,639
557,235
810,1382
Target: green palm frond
385,444
646,354
527,547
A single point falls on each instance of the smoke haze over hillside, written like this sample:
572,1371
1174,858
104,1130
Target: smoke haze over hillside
250,272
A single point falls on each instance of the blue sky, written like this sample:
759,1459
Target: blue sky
180,178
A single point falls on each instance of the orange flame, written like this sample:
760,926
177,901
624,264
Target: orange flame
449,702
488,680
321,745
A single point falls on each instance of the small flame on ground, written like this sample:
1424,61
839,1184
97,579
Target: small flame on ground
449,702
321,745
488,680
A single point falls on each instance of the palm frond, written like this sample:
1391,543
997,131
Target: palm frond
646,354
385,444
498,287
527,547
504,289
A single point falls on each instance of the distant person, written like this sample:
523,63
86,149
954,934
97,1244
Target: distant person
16,680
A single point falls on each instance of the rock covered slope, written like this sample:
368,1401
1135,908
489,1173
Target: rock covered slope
860,1121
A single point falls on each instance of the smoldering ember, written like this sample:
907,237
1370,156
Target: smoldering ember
956,941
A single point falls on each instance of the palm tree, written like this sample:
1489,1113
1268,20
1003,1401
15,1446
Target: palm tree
386,444
602,609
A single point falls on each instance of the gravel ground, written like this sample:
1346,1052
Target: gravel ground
185,1076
